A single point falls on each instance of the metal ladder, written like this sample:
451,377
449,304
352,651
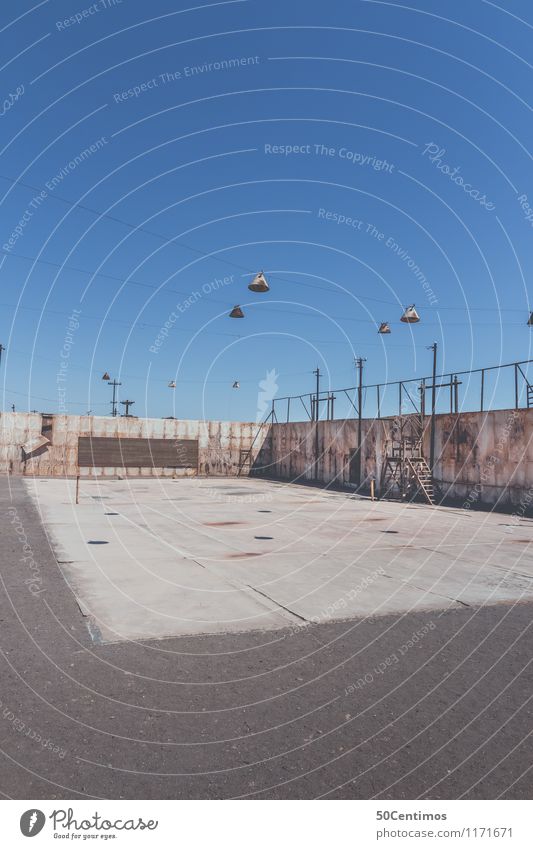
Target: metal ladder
421,477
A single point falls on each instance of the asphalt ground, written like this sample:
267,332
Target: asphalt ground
427,705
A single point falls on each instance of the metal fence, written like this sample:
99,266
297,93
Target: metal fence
505,386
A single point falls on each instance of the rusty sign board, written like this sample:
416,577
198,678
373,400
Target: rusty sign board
114,451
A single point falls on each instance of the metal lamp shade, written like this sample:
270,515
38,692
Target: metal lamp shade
236,312
105,376
236,384
384,327
172,384
410,315
259,283
530,320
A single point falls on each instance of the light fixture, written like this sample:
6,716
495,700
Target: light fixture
384,327
172,384
236,384
259,283
236,312
530,320
105,376
410,315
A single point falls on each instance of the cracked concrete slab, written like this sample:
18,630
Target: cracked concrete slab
191,556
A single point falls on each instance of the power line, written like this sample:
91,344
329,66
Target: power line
169,241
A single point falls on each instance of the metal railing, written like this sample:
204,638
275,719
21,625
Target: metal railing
497,387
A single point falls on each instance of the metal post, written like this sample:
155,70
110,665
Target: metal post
114,383
451,393
1,349
516,387
288,408
317,416
77,489
482,388
400,398
379,402
456,393
359,364
433,406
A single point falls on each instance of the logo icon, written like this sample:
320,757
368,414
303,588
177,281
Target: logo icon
32,822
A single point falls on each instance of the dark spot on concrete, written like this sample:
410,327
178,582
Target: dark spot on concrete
264,511
389,532
110,514
263,537
98,542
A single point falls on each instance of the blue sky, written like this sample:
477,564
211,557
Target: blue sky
366,155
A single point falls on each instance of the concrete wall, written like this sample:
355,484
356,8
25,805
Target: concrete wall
484,458
220,443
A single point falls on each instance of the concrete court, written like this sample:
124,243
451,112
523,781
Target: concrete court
158,558
271,714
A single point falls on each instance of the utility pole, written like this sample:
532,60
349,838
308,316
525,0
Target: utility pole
317,415
114,383
359,366
433,406
127,404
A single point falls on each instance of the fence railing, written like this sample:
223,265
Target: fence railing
475,390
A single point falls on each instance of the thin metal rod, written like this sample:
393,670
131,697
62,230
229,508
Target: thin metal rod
433,407
482,389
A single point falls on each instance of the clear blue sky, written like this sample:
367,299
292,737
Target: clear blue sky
146,153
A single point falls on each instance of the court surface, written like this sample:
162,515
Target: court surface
157,558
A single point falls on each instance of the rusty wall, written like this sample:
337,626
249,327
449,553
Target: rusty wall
484,458
220,444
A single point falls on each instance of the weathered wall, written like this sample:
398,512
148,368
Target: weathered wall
480,457
219,443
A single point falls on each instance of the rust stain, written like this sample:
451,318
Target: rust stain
240,554
221,524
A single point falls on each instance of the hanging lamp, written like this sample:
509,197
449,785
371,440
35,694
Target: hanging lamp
530,320
172,384
236,384
410,315
236,312
384,327
259,283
